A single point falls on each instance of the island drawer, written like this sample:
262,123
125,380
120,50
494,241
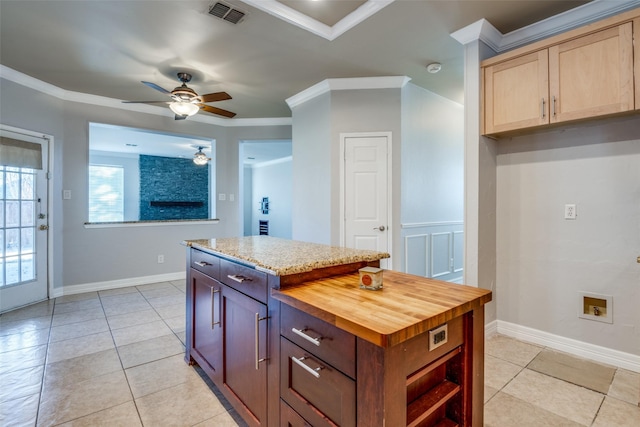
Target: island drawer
321,394
244,279
329,343
205,263
417,348
290,418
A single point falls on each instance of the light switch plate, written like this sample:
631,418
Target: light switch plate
438,337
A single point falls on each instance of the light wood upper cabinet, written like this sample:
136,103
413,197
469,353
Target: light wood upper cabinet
592,76
636,55
517,93
583,75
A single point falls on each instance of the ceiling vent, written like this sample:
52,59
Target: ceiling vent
226,12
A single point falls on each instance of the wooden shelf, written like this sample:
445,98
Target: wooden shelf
423,407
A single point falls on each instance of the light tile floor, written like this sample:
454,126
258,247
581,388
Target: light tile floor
115,358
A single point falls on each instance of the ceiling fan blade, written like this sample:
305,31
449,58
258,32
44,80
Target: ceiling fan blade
156,87
178,117
218,111
217,96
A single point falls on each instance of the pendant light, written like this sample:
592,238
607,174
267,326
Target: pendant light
199,158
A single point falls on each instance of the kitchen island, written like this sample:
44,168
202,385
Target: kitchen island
286,333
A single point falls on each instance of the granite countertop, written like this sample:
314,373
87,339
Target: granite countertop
281,257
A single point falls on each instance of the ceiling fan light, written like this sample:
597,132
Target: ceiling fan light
184,108
199,158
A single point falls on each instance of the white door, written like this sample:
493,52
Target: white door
23,230
366,191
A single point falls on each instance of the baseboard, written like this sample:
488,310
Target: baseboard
582,349
115,284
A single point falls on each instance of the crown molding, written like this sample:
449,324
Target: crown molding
581,15
316,27
355,83
102,101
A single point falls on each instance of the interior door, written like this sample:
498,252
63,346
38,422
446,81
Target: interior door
366,194
23,229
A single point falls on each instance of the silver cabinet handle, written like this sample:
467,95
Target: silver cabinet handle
543,112
381,228
238,278
201,263
301,332
554,106
315,372
213,292
258,360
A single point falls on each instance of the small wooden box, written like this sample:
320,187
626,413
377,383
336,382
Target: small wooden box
370,278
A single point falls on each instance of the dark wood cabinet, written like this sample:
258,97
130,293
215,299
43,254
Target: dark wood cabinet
244,322
316,390
207,328
228,331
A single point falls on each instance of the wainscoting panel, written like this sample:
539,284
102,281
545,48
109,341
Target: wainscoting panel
458,251
416,249
441,254
434,250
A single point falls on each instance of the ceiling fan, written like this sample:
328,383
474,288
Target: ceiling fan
186,102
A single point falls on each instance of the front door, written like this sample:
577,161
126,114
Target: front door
366,192
23,229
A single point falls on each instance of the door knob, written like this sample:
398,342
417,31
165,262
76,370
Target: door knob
381,228
43,227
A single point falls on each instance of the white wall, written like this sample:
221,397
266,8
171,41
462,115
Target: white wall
543,260
247,193
427,154
273,180
85,256
432,186
312,169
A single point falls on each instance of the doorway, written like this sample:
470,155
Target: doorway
265,186
24,218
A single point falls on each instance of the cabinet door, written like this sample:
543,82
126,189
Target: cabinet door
516,93
207,332
593,75
245,361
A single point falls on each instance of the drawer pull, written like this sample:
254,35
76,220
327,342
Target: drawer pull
238,278
301,332
315,372
201,263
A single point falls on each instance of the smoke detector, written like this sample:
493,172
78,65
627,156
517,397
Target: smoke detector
434,67
226,12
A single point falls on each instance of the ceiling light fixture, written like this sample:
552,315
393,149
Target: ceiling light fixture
184,108
434,67
200,158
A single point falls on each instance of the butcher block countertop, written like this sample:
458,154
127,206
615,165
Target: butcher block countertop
281,257
405,307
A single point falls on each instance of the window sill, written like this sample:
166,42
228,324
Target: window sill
121,224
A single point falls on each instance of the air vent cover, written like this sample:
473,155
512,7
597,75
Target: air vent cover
226,12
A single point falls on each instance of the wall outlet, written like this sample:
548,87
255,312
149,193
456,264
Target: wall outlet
66,194
570,211
222,197
438,337
160,259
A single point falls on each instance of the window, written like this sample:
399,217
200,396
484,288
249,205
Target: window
17,225
106,193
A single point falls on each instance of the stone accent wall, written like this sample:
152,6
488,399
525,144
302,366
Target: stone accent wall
168,179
